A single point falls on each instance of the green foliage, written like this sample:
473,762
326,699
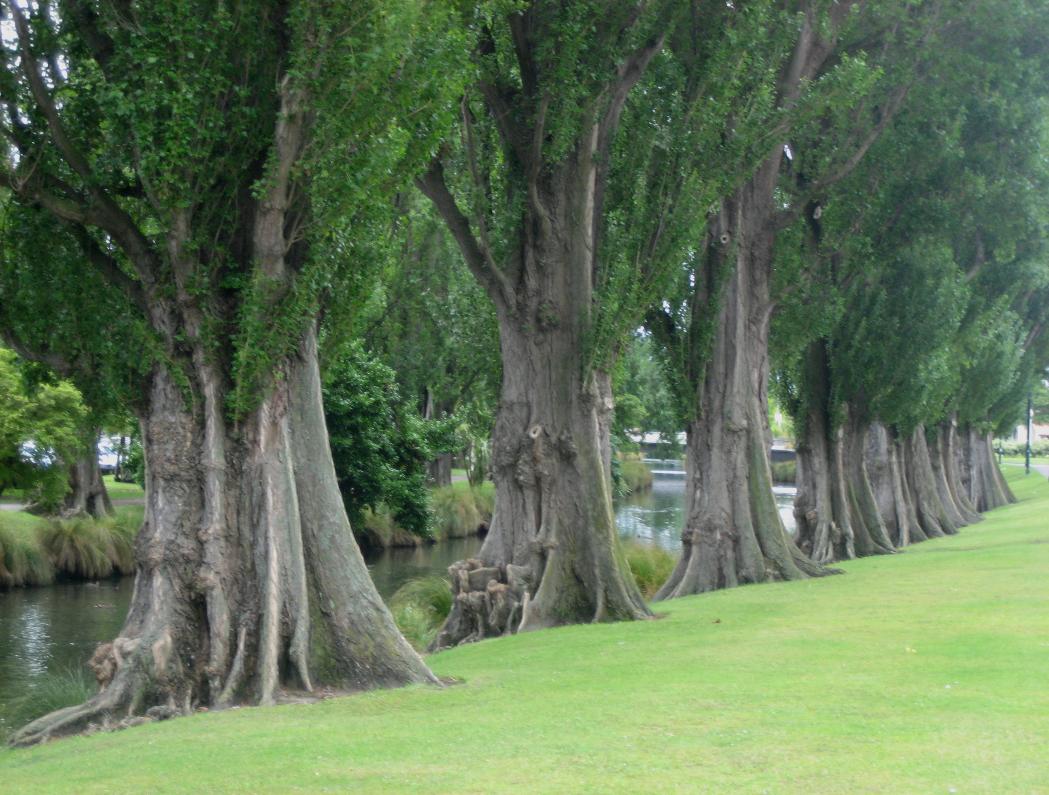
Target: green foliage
643,401
380,446
41,427
419,607
650,565
784,472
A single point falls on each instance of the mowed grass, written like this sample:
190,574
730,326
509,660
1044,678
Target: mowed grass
116,491
923,672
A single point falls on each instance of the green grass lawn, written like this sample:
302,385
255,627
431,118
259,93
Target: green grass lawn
123,491
117,491
924,672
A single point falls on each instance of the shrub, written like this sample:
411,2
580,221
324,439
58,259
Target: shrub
420,606
784,471
23,559
455,513
650,565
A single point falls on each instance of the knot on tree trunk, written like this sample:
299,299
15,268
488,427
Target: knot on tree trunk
109,657
488,602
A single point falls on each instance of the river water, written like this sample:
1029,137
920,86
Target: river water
53,629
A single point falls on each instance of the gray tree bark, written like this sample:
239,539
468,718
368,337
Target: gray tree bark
248,579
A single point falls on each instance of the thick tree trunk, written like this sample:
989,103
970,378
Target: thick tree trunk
87,494
949,454
552,554
871,533
933,517
248,578
979,472
821,507
887,471
733,532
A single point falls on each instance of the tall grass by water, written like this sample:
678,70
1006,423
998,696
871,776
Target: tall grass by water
66,687
36,550
420,606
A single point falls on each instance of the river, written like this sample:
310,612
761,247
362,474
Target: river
53,629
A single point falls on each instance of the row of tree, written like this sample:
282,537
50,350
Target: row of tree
206,203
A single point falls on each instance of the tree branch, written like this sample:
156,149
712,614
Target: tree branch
478,259
105,213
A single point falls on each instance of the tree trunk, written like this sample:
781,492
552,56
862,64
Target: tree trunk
821,506
733,532
871,533
921,481
439,470
949,455
87,494
248,579
979,471
552,554
939,447
885,466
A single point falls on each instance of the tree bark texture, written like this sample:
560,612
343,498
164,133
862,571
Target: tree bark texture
248,579
87,495
733,532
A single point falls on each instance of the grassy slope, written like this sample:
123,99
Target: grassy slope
921,672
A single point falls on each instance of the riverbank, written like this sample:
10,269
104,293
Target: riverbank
917,672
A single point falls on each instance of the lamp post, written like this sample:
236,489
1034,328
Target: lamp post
1030,430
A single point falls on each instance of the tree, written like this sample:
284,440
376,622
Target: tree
431,322
571,192
379,445
41,427
223,169
920,337
716,328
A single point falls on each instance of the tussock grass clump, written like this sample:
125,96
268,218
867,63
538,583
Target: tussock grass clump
651,566
379,528
420,606
90,548
23,558
784,472
634,476
65,687
455,513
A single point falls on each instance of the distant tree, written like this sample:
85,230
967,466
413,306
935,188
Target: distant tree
41,428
